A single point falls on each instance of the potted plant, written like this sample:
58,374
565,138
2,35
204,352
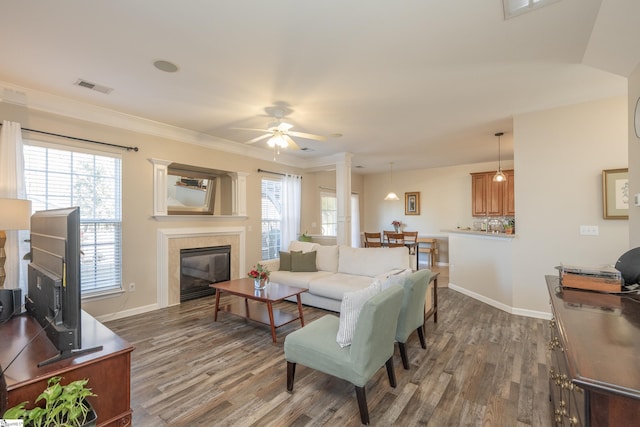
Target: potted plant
396,225
63,405
304,237
509,226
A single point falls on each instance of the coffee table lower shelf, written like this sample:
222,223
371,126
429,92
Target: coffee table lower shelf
259,313
257,305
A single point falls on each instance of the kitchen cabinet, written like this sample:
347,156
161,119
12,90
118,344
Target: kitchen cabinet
489,198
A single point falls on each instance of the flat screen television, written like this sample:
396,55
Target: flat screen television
53,296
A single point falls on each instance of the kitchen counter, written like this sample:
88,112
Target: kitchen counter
479,233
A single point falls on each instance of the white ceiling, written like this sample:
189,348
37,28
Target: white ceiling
422,83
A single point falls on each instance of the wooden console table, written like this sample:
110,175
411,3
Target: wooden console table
594,378
108,370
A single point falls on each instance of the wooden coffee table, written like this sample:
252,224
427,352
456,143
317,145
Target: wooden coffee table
258,312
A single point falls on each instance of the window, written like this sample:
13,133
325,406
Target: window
271,218
517,7
57,177
329,213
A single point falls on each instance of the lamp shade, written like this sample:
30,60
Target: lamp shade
15,214
392,196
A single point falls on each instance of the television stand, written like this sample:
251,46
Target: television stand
108,370
68,354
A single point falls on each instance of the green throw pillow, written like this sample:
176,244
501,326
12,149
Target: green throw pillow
303,261
285,260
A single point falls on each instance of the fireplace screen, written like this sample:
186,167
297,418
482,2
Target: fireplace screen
199,267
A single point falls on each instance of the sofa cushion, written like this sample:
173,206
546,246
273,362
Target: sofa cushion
303,261
371,261
298,279
285,261
335,285
350,310
327,258
296,245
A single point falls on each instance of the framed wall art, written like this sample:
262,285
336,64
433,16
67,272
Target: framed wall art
412,203
615,193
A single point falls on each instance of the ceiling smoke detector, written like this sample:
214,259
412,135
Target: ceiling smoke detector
93,86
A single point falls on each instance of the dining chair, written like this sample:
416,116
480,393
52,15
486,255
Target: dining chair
385,237
315,346
395,239
431,250
372,240
411,240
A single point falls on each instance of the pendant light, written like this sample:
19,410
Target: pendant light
391,195
499,176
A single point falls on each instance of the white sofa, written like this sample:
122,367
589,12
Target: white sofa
340,269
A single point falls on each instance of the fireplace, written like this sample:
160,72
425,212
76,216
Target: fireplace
199,267
172,240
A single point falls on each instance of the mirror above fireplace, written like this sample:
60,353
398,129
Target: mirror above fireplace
181,189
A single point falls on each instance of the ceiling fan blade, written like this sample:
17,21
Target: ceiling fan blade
256,130
307,136
283,126
259,138
291,142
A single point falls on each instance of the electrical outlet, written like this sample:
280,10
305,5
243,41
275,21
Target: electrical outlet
589,230
132,287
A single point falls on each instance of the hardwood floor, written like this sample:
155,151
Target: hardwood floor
482,367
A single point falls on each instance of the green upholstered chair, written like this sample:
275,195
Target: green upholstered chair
411,316
373,344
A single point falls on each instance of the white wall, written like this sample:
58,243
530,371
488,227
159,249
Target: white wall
559,158
634,156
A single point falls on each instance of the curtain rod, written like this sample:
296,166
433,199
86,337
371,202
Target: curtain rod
274,173
79,139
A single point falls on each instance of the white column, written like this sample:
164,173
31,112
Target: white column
343,196
160,169
239,193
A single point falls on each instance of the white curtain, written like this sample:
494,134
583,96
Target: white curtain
355,221
291,200
12,187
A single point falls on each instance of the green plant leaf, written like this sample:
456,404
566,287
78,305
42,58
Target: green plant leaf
15,413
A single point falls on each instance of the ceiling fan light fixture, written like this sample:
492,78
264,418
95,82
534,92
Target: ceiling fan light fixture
277,140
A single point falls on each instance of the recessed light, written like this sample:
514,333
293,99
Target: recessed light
166,66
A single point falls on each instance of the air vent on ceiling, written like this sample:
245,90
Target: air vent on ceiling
93,86
306,149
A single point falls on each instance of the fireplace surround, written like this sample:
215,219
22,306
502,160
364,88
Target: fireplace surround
171,240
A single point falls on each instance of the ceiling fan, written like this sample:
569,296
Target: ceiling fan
280,133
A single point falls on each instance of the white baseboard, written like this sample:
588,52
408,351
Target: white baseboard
504,307
128,313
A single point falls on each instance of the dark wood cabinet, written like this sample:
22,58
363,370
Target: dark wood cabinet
108,370
489,198
594,378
